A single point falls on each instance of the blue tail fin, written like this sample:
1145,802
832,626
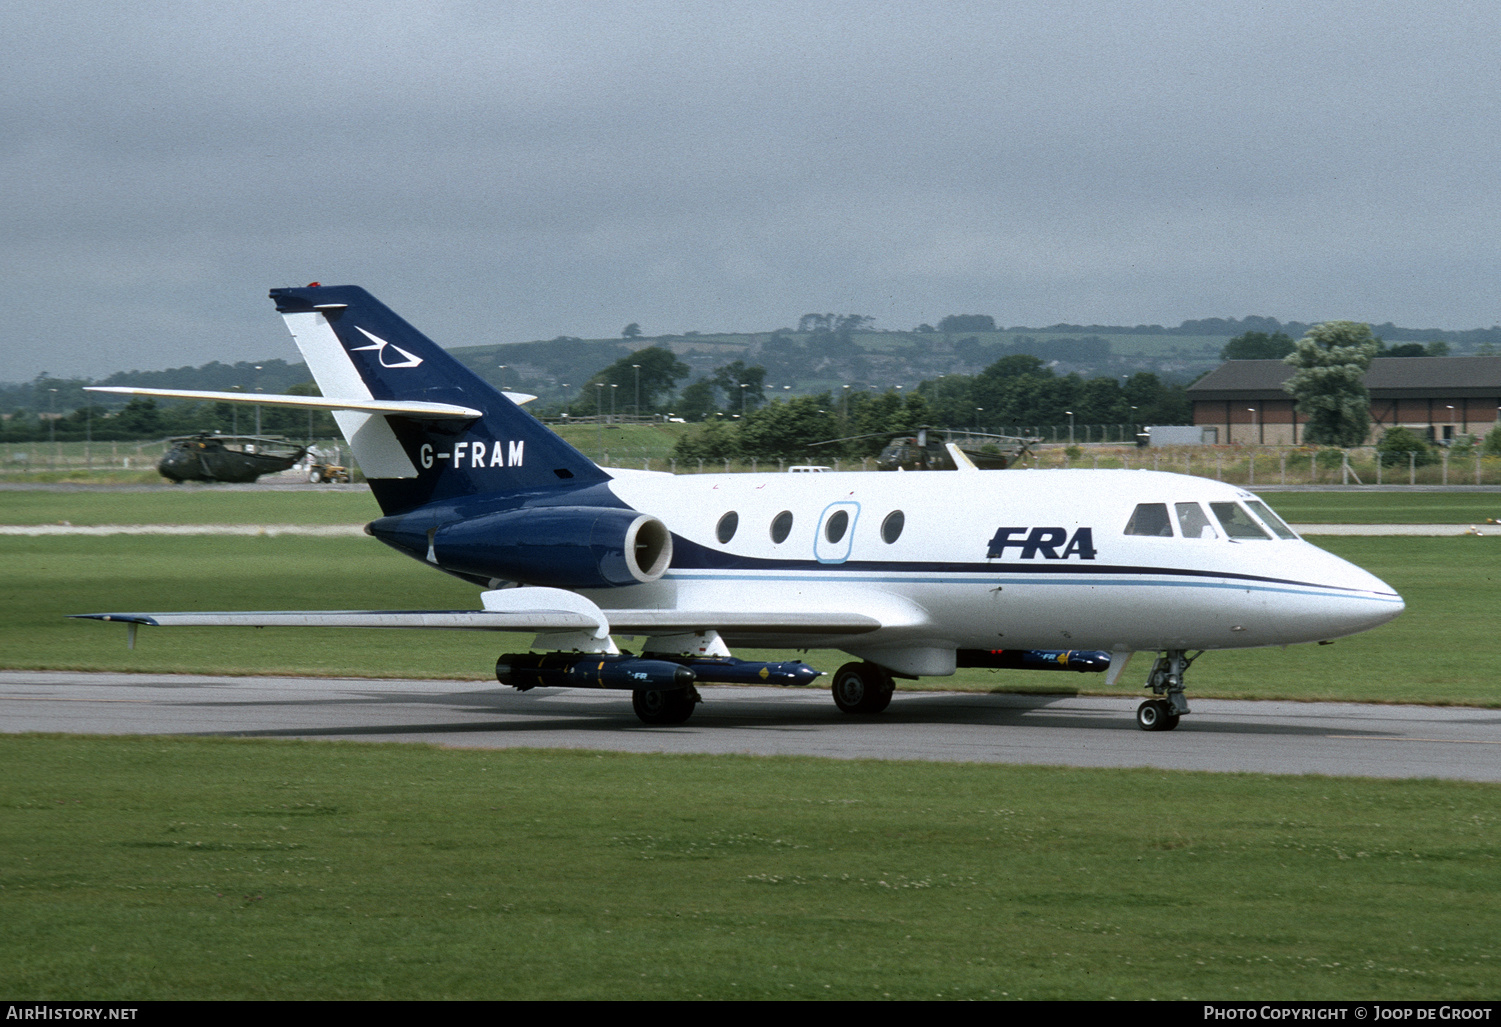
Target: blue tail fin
357,348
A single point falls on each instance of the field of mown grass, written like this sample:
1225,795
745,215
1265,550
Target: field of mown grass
154,868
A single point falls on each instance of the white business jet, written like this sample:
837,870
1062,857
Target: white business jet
914,575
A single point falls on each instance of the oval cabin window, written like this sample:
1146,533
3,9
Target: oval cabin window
835,527
781,527
891,527
726,529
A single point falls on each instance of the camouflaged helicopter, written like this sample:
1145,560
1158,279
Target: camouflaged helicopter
926,452
227,458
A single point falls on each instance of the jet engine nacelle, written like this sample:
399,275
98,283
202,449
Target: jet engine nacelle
558,546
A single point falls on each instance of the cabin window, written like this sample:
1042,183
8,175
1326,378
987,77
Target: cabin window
726,529
891,527
1236,522
835,527
1193,522
1150,519
1271,520
781,527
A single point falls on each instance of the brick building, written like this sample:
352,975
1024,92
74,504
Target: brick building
1441,397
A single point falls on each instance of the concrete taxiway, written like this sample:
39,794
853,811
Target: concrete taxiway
1341,739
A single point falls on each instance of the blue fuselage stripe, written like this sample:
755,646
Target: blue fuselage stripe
1056,577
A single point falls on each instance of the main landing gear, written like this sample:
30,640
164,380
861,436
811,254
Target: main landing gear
669,706
1166,679
862,688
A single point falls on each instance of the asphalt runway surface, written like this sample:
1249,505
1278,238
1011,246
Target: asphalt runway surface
1338,739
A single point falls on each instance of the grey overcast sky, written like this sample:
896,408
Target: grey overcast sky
500,172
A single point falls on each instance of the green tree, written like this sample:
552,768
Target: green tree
967,323
714,440
874,418
1258,346
950,398
729,379
659,372
1329,386
1408,349
697,401
787,429
1155,402
631,331
140,418
1100,401
1396,443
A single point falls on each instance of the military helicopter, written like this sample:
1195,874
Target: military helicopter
233,458
925,452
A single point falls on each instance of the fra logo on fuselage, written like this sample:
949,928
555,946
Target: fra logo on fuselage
1031,541
477,454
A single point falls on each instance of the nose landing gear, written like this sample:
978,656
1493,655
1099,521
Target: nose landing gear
1166,679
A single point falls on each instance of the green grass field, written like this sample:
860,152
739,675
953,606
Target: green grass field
189,504
1386,507
148,868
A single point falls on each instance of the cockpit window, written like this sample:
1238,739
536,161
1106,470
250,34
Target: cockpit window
1236,522
1271,520
1150,519
1193,522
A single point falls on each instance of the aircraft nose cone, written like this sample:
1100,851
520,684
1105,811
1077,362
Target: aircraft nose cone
1373,613
1373,604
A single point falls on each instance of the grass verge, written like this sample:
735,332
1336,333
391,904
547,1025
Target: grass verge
1385,507
150,868
189,504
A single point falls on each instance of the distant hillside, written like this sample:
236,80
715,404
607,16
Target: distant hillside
796,362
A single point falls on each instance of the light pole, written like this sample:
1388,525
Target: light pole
743,387
1070,414
1451,418
1255,436
599,416
613,387
257,406
978,412
638,388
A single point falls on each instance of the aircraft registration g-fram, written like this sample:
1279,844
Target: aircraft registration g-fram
911,574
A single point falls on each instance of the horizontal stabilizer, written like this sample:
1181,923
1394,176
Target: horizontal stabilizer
409,407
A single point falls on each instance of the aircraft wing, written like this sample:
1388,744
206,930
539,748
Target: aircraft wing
409,407
462,620
626,622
